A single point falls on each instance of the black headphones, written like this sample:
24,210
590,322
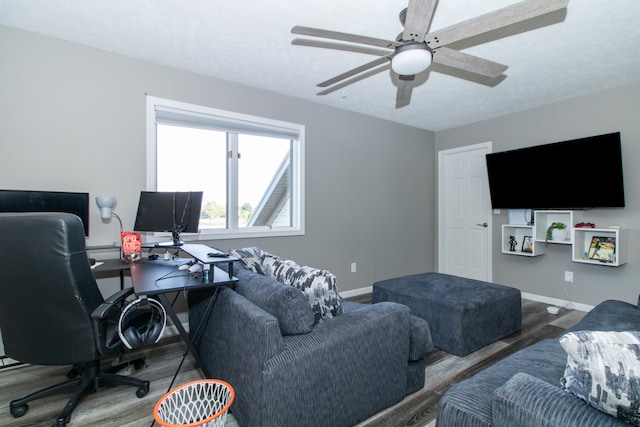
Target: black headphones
142,322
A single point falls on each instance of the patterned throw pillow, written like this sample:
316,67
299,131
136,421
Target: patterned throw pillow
319,286
603,369
250,258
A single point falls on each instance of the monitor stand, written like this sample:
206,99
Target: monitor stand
176,238
175,243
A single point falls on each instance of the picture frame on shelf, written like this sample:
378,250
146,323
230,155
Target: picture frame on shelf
527,244
603,249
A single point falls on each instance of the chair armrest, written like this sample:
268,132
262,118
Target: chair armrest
103,310
527,401
421,342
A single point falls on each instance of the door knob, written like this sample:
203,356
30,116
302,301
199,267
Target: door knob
484,224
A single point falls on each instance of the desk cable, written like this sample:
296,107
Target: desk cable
192,339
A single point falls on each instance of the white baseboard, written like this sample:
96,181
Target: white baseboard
525,295
356,292
557,302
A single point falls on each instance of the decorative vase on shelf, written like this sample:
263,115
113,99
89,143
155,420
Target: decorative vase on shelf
557,232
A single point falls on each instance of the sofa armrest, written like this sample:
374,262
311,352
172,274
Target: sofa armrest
527,401
610,315
421,342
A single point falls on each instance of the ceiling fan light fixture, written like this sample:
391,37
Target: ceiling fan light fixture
411,58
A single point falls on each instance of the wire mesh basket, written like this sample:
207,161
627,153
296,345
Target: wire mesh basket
196,403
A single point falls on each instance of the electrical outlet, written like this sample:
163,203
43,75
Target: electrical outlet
568,276
353,267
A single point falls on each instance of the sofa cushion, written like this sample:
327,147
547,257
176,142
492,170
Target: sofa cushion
319,286
250,258
603,369
286,303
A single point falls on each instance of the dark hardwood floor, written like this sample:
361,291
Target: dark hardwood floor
119,406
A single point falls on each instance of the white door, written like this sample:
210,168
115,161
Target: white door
464,213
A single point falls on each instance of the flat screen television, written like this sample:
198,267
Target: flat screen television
169,211
577,174
47,201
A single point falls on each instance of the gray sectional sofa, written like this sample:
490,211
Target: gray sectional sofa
289,368
525,388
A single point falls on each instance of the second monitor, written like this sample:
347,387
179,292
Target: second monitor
169,211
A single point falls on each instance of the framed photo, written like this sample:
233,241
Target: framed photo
602,248
527,244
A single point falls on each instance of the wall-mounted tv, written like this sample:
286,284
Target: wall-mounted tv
577,174
46,201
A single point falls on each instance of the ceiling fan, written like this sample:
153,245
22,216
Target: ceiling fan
415,48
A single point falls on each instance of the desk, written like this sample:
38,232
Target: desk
197,251
110,266
158,277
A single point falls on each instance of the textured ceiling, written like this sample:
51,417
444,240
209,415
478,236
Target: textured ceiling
593,45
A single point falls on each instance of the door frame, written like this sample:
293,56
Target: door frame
488,147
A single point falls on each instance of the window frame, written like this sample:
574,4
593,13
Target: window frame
235,121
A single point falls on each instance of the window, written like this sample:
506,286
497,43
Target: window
250,169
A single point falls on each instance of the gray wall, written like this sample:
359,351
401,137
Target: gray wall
73,119
603,112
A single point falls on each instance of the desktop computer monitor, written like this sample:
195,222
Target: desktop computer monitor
47,201
169,211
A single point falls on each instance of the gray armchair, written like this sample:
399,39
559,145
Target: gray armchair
289,372
51,310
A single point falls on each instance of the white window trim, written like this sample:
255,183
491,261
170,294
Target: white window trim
297,190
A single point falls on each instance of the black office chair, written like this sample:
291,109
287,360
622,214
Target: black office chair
51,310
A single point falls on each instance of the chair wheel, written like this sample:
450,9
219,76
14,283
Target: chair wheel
62,422
19,411
142,391
138,364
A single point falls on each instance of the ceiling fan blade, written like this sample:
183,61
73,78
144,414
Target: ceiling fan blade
493,20
354,71
466,62
352,38
339,46
405,89
419,14
354,79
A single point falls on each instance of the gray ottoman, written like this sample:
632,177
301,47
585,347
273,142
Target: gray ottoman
464,315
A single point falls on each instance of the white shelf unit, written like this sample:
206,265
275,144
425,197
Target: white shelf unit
520,232
580,239
582,251
543,219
